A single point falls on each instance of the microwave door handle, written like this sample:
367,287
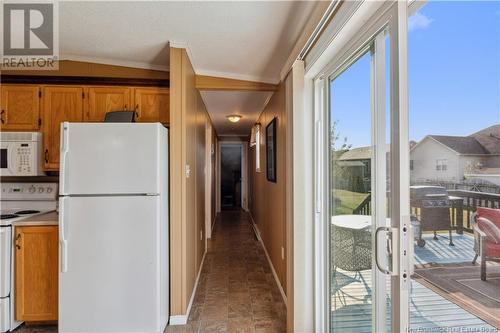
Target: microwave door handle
11,159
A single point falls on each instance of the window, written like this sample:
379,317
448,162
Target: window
411,165
441,165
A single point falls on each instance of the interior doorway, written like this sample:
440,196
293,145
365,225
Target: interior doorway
231,177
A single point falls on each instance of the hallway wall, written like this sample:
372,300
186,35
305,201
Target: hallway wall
267,199
189,118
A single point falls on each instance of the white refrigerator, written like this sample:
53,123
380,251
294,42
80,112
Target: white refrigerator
113,228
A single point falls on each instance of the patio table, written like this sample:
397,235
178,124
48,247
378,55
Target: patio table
351,248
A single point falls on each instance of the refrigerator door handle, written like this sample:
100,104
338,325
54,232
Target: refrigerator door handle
62,234
64,156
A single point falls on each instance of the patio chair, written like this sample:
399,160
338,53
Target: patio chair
486,237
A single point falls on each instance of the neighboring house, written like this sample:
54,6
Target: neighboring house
454,158
359,159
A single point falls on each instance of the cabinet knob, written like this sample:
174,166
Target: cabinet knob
46,156
1,117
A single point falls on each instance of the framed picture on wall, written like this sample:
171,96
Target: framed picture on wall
271,150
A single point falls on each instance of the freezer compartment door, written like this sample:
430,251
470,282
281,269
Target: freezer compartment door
4,315
5,259
112,158
109,278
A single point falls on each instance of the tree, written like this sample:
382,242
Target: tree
335,138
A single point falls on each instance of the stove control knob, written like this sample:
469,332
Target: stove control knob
40,190
49,189
32,189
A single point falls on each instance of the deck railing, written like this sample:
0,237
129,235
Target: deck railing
463,206
364,208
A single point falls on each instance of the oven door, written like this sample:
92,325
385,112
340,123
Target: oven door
5,260
4,315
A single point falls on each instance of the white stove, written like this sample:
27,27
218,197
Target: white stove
18,201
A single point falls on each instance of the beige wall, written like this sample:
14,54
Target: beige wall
187,220
267,199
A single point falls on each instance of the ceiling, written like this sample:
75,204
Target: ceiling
248,40
248,104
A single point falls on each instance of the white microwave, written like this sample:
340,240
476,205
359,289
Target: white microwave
21,154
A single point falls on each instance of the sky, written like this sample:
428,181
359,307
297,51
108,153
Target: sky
454,74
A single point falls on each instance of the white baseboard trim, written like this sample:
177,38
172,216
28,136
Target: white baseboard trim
178,320
256,230
182,319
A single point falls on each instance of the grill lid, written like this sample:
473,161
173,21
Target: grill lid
428,193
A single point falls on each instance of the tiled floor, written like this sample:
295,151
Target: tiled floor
237,291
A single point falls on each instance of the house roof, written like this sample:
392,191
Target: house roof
351,163
361,153
466,145
489,138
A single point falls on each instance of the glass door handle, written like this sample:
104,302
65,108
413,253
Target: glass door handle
390,249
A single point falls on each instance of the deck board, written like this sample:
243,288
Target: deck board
429,312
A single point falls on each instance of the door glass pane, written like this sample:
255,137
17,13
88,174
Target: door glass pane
454,100
350,175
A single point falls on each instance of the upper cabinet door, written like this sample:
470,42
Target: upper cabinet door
152,105
60,103
20,108
105,99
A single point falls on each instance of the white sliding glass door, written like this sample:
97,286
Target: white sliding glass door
362,200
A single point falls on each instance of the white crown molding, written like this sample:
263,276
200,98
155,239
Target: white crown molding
115,62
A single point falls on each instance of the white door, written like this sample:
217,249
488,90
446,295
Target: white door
112,158
5,260
109,277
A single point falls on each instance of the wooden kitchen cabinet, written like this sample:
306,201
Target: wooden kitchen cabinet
20,107
60,103
152,105
36,273
105,99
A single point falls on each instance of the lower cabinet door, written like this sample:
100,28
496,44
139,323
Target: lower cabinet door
36,273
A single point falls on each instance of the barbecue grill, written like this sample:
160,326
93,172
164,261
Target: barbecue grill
434,204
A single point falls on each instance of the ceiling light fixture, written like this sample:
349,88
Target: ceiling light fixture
234,118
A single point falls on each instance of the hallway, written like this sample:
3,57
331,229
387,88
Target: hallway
237,291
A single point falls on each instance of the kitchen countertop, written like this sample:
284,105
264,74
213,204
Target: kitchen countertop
51,218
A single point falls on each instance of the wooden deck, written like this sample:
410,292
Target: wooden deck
429,312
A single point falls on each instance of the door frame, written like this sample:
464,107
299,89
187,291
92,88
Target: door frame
244,170
369,19
208,180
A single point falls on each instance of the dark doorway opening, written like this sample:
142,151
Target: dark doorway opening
230,177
